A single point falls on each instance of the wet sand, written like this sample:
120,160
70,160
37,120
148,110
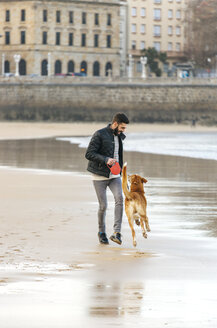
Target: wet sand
53,272
25,130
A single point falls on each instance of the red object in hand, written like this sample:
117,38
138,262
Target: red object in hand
115,168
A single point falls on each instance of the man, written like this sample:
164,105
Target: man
106,148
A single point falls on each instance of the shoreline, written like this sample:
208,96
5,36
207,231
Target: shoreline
50,254
52,266
30,130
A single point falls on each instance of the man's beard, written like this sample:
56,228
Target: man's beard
116,131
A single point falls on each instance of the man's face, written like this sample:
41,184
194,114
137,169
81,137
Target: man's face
120,127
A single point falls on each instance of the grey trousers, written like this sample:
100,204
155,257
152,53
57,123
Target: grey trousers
115,187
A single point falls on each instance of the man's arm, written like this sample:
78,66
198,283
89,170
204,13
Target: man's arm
92,153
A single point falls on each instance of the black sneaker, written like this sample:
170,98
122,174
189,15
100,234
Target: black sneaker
103,238
116,237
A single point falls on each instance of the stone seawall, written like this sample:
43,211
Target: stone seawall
97,102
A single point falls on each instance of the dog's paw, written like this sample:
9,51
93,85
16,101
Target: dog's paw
134,243
144,234
137,222
125,164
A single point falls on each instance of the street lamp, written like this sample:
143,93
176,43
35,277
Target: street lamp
143,61
17,60
209,66
130,71
3,64
49,64
3,60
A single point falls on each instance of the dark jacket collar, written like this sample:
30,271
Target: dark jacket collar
121,135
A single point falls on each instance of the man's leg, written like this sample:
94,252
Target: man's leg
116,189
100,187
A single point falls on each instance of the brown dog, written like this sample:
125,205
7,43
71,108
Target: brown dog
135,202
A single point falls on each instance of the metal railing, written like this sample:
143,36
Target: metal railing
106,80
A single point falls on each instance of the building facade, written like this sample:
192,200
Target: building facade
60,37
159,24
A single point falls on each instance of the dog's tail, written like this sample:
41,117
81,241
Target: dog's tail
124,182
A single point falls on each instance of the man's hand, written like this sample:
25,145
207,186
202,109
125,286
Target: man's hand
111,161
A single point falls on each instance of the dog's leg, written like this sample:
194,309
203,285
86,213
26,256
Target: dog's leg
142,226
131,221
137,219
133,232
147,224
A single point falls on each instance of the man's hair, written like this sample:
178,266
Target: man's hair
120,118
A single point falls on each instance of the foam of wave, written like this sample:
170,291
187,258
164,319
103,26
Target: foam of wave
186,144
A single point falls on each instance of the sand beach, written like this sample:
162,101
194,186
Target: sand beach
53,272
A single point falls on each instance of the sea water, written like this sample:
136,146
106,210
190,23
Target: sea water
186,144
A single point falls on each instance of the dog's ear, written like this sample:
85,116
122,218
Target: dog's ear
144,180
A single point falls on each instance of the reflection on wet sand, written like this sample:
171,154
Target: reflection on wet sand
114,300
52,267
196,178
60,155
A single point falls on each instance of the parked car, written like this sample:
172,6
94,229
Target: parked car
80,74
9,74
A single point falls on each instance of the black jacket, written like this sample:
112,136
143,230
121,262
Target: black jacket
100,149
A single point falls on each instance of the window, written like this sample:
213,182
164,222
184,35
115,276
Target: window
71,66
44,37
96,69
44,67
133,11
84,18
96,40
109,39
157,14
170,30
57,38
170,46
22,37
70,39
71,17
143,12
142,28
7,16
108,68
178,46
83,39
58,67
58,16
178,30
157,1
7,67
138,67
96,19
178,14
23,15
7,37
44,15
83,67
157,30
142,45
170,14
109,19
157,46
22,67
133,28
133,45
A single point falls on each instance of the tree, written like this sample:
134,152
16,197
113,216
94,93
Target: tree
202,32
153,56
